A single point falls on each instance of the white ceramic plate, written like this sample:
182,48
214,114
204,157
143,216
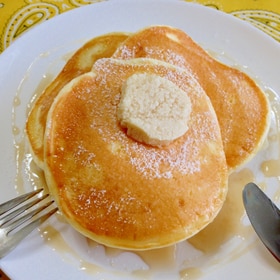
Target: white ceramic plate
56,251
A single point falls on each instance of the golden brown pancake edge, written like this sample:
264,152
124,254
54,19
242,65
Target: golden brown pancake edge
80,62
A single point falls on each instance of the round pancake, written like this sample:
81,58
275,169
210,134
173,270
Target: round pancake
241,107
81,62
118,191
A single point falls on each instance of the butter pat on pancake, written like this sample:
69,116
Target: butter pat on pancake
118,191
81,62
153,109
241,107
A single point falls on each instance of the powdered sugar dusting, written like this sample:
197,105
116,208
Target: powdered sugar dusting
126,52
155,52
166,55
153,162
84,156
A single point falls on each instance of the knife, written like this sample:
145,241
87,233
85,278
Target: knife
264,217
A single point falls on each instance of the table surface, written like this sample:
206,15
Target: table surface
19,16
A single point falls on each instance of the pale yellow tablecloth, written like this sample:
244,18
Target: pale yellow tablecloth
18,16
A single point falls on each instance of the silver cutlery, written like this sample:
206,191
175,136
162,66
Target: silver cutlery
264,217
20,216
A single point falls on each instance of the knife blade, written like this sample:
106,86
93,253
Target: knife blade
264,217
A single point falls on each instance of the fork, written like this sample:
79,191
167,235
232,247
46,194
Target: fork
20,216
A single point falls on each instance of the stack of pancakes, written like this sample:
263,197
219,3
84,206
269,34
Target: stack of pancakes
124,193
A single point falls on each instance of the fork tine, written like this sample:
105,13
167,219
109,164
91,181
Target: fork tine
15,224
20,210
6,206
30,227
16,238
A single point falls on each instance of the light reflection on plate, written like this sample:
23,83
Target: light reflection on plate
32,61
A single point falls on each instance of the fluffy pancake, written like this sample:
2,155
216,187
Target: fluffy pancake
81,62
241,107
121,192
